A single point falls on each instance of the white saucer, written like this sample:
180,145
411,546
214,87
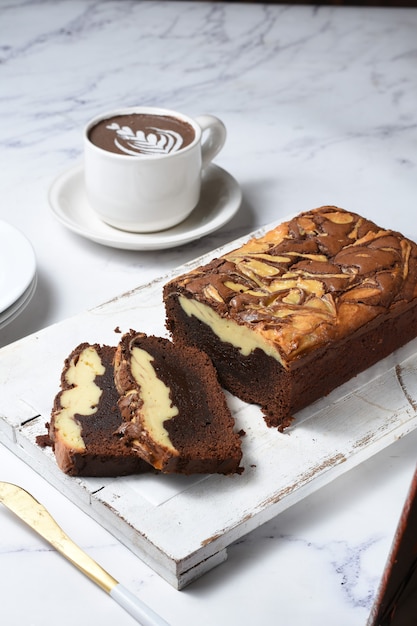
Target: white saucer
220,200
17,265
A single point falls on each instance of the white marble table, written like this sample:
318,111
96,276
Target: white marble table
320,106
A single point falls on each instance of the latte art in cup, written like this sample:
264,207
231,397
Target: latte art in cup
142,134
151,141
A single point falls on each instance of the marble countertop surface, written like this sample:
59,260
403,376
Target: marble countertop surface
320,108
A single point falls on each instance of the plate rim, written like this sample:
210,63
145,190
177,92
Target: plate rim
19,254
15,309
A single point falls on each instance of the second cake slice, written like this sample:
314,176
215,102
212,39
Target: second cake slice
175,411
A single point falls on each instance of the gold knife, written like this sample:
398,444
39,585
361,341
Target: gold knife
25,506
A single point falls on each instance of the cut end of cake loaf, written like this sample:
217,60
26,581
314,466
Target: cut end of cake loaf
85,418
174,409
291,315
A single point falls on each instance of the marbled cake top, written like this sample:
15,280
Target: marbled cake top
310,281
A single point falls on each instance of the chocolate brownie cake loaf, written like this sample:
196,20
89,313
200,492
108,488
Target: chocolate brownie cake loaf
175,411
292,314
85,419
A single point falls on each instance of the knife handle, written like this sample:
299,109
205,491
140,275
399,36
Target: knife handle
137,609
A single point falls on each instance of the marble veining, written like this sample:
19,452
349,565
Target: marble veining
319,104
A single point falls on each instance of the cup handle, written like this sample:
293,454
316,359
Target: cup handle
214,139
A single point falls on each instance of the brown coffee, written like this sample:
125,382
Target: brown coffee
141,133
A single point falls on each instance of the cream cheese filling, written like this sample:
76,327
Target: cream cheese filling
242,338
82,398
157,406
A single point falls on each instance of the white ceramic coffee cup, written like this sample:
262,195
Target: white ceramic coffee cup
148,193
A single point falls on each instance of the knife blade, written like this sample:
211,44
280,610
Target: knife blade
33,513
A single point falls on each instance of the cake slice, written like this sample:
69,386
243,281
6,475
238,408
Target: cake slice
175,411
291,315
85,420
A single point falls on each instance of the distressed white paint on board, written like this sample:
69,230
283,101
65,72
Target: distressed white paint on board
182,526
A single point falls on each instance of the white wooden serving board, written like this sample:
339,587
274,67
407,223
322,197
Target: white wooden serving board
181,526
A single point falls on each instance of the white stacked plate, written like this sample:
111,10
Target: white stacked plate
17,273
